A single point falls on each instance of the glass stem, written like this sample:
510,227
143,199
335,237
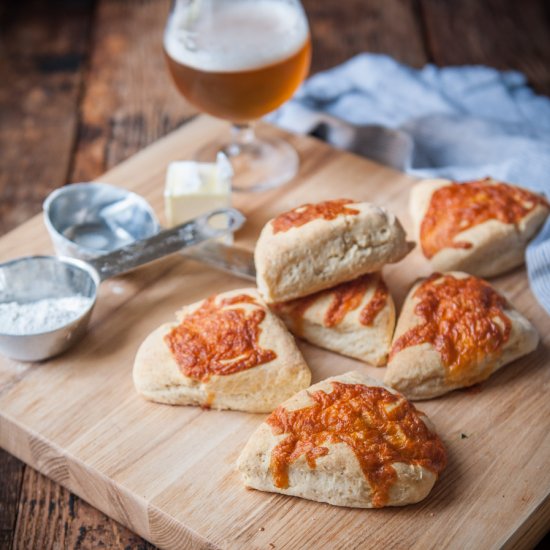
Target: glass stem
242,135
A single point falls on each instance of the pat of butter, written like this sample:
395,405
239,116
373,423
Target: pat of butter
194,188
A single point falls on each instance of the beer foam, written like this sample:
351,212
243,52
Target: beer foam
233,36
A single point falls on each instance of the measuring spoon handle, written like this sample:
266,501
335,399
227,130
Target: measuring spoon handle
166,242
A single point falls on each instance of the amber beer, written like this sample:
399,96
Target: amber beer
244,62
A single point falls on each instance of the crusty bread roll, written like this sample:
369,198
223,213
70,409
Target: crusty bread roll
318,246
355,318
454,331
481,227
227,352
348,441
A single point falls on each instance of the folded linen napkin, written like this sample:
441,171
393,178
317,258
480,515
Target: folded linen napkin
464,123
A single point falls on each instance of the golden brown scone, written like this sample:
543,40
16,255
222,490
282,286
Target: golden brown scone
349,441
227,352
481,227
454,331
356,318
318,246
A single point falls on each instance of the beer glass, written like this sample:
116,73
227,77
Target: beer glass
238,60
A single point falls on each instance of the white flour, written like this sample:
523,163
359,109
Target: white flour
42,315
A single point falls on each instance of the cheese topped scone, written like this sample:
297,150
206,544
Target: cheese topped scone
454,331
318,246
349,441
356,318
226,352
481,227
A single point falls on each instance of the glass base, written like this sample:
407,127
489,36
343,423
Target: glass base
259,163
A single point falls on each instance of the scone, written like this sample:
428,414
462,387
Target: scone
226,352
356,318
349,441
481,227
454,331
318,246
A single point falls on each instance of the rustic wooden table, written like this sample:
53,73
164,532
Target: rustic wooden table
83,86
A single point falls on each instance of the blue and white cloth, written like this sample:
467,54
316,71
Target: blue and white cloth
465,123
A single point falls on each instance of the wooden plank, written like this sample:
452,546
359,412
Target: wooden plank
43,51
501,34
158,469
342,29
129,99
51,517
11,474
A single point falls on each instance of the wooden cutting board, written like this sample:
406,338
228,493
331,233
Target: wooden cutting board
168,473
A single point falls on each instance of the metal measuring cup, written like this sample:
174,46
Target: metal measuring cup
33,278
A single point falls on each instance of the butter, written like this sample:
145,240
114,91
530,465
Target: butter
194,188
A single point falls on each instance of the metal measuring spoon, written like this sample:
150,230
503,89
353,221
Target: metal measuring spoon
34,278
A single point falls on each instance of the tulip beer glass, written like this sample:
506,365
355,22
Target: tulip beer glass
238,60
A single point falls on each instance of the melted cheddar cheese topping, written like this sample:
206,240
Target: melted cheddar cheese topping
463,319
219,338
457,207
381,429
328,210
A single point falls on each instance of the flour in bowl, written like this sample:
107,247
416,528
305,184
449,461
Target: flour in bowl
41,316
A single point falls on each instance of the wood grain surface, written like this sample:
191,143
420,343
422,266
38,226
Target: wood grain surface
83,86
168,473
